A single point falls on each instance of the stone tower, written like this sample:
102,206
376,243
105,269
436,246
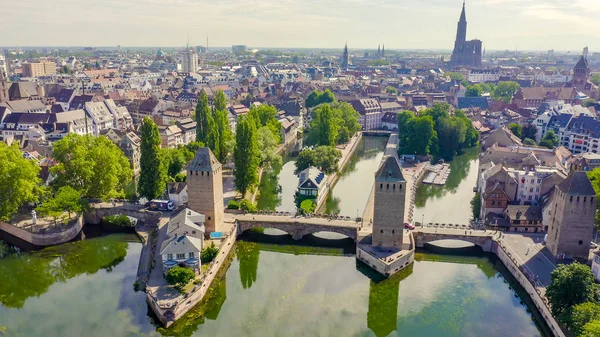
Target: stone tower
465,53
389,202
581,73
571,215
345,58
205,188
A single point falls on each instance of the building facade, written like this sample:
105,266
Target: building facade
570,217
389,204
205,188
37,69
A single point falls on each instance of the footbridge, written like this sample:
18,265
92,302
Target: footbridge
481,238
296,226
98,211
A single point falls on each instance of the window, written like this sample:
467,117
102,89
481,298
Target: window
382,231
380,186
400,187
169,256
578,199
580,242
180,256
539,181
393,231
191,255
387,187
193,232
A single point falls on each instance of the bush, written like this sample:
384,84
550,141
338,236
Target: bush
209,253
308,206
118,220
232,204
179,276
246,205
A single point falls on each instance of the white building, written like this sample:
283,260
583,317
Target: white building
101,116
558,116
596,265
185,240
312,183
190,61
486,75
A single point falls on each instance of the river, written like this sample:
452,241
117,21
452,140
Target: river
86,289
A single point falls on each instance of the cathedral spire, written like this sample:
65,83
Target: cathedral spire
461,32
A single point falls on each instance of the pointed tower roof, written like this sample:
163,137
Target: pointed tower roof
204,160
463,15
577,183
582,63
389,171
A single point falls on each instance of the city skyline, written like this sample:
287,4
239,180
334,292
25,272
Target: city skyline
537,25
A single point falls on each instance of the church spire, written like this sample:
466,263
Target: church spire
461,32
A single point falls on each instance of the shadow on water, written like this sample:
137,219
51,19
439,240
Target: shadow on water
310,244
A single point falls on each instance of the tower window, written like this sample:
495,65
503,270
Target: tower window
394,187
202,173
382,231
571,198
577,199
380,186
580,242
400,187
207,174
387,187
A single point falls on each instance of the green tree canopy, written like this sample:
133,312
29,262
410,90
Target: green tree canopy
308,206
455,76
595,78
153,171
529,142
225,136
550,139
505,91
202,112
246,155
570,285
591,329
594,176
66,199
529,131
317,97
267,143
220,101
516,129
333,123
391,90
18,178
94,166
179,276
473,91
325,158
589,102
583,314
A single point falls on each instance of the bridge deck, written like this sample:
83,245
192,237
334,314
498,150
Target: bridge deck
292,220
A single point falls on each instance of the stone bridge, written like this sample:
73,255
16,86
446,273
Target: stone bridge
99,210
476,237
297,227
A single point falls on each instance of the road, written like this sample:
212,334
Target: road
529,252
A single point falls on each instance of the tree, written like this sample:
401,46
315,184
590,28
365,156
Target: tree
594,176
570,285
323,128
451,134
209,253
346,119
267,143
220,101
18,178
246,155
312,99
455,76
529,142
476,205
591,329
66,199
179,276
391,90
420,135
212,138
529,131
308,206
516,129
582,314
317,97
175,160
202,112
94,166
473,91
595,78
550,139
403,118
505,91
589,102
225,135
153,171
325,158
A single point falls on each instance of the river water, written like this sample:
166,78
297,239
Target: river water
86,288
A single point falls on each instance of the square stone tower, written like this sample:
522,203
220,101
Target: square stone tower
390,198
205,188
571,217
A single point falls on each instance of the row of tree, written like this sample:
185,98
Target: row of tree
319,97
212,125
435,132
257,137
503,91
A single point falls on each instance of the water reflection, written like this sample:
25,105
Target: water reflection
278,187
450,203
28,275
247,256
382,317
349,196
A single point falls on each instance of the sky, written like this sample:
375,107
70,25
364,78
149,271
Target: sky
399,24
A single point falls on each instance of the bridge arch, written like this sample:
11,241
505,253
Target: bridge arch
97,212
296,230
481,240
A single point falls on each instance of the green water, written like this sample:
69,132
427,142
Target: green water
349,196
85,289
450,203
278,187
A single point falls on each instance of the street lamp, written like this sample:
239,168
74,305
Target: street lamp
422,220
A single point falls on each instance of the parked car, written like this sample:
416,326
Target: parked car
409,226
